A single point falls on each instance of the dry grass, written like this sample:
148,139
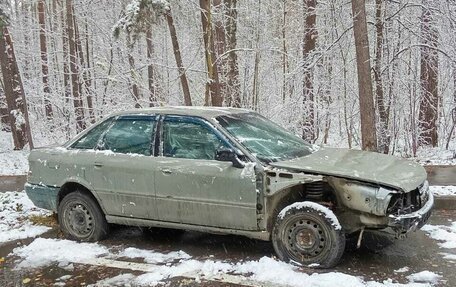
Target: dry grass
49,220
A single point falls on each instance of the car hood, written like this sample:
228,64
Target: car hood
360,165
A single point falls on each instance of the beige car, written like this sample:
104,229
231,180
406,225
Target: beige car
228,171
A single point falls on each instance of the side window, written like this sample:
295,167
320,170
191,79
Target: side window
89,141
130,135
189,140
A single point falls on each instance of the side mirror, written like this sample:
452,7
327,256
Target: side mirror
227,154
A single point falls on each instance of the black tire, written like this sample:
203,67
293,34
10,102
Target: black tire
304,235
81,218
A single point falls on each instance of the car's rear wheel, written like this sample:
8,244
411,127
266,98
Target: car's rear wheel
81,218
305,235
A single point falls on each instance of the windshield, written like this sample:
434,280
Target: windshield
263,138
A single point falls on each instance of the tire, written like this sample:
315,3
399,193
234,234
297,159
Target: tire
303,234
81,218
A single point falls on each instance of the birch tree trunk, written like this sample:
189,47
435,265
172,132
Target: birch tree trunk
44,60
178,57
366,99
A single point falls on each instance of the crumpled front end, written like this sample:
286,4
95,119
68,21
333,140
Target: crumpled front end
410,211
367,206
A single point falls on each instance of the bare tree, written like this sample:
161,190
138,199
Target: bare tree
429,77
220,46
178,57
383,133
309,43
284,51
134,75
233,90
85,71
153,96
44,59
366,99
74,70
213,83
14,90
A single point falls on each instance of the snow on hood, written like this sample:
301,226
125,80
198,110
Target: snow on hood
371,167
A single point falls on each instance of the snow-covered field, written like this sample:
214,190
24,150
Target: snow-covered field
154,267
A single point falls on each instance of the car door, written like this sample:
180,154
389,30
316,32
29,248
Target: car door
192,187
123,167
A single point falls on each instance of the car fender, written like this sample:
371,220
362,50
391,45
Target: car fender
86,185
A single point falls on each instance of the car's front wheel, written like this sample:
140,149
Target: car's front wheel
308,233
81,218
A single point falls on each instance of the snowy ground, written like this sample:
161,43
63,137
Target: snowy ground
443,190
15,209
436,156
148,267
43,252
446,237
11,162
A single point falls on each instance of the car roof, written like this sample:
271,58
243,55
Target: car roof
198,111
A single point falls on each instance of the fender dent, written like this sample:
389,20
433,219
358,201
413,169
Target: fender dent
362,197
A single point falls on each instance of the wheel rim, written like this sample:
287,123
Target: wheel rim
80,220
306,239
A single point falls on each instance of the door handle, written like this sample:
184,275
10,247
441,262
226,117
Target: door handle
98,164
166,170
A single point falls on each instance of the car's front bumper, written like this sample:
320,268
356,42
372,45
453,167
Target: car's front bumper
42,196
405,223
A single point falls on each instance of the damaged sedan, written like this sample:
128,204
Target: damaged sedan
225,171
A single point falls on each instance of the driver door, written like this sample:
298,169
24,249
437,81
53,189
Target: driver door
192,187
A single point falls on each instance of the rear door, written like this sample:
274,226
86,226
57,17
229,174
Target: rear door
194,188
123,167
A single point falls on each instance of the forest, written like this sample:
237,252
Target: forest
378,75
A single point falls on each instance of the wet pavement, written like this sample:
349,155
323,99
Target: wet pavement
418,252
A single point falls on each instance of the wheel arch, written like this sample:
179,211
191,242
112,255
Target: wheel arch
296,193
71,186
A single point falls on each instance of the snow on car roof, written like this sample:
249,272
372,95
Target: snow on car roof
199,111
